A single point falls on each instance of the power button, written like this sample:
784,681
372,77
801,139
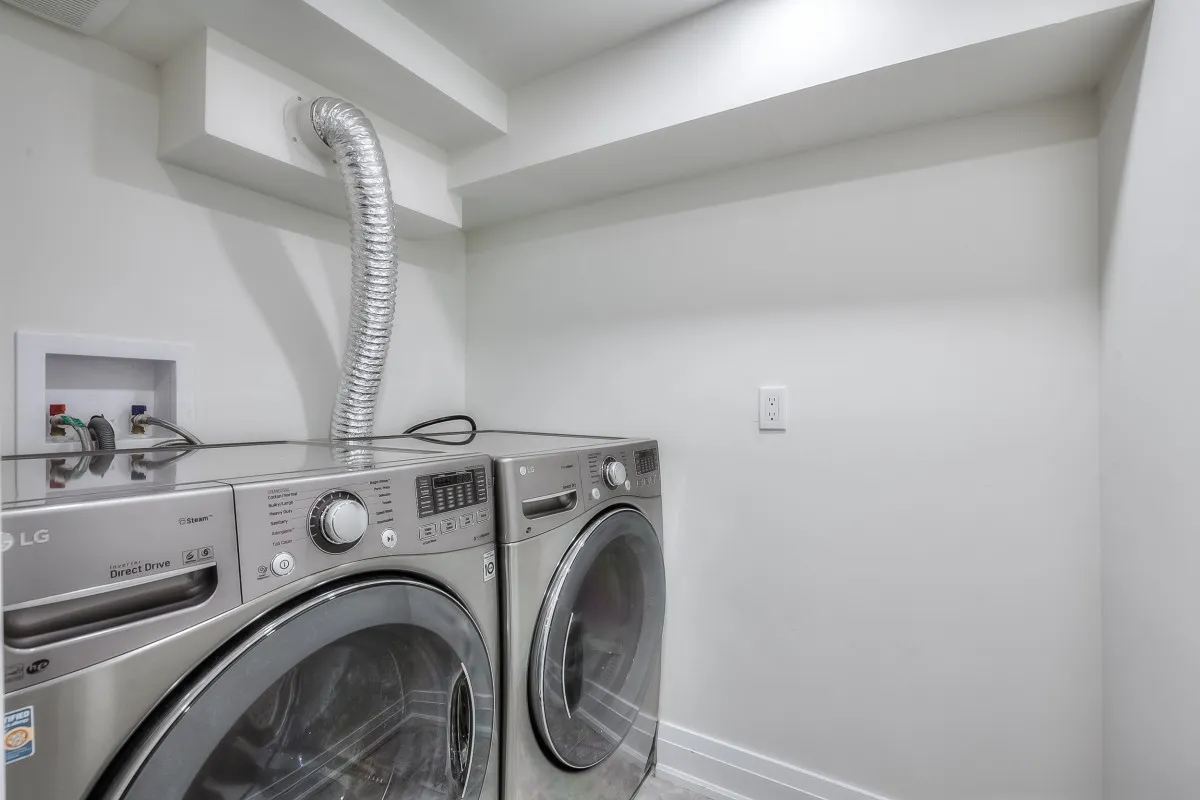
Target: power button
283,564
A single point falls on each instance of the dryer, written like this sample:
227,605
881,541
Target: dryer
584,588
264,620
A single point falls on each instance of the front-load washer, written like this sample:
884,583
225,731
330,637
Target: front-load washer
259,621
584,592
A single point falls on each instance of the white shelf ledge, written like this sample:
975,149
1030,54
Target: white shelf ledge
223,114
737,85
367,50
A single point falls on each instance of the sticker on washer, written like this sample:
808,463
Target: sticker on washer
489,565
18,734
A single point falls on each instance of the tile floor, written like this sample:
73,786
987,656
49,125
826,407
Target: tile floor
656,788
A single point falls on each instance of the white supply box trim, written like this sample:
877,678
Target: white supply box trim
33,348
724,771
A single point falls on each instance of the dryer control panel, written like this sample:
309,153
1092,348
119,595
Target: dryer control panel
541,491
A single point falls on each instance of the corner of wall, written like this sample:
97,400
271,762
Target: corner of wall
1118,92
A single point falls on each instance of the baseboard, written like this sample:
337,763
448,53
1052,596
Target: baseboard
723,771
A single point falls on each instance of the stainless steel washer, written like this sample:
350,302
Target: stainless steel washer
269,620
584,603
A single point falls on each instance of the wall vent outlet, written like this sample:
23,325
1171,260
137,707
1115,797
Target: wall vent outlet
82,16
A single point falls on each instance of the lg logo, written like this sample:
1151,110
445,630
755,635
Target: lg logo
7,540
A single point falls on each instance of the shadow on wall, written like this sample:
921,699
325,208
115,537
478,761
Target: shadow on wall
125,148
265,269
248,225
124,123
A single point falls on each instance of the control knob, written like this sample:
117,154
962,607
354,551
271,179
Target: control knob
614,473
337,521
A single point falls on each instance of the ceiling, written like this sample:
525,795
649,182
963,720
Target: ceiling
513,42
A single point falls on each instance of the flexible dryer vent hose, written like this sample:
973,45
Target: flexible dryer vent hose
360,161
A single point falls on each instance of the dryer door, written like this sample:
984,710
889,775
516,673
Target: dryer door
376,689
597,637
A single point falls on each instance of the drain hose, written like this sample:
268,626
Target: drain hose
102,429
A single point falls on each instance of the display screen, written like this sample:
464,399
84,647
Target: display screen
646,461
452,479
450,491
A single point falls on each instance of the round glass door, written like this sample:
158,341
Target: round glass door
596,639
380,690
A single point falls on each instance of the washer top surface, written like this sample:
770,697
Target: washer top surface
47,477
496,443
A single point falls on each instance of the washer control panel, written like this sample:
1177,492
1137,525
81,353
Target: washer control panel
283,564
444,492
337,521
292,527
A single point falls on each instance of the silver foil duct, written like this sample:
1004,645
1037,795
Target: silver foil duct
360,161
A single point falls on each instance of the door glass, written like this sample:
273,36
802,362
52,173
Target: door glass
390,699
598,634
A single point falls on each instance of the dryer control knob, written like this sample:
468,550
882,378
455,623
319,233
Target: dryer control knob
614,473
344,521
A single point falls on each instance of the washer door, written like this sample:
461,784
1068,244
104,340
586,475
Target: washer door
373,690
596,639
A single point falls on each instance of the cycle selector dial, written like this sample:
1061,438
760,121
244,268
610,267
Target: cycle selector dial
337,521
614,473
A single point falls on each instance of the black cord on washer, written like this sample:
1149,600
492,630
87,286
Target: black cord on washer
429,423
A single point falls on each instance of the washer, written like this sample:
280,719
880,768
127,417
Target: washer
584,591
261,620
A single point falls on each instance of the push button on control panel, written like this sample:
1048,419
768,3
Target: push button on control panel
283,564
426,532
388,537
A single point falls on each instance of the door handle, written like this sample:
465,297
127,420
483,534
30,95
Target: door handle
56,619
462,730
537,507
572,665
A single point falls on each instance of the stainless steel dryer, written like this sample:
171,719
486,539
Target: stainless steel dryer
267,621
584,602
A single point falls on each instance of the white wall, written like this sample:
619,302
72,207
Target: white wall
99,237
902,591
1150,149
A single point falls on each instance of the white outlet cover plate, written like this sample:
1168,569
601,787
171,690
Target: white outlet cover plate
772,408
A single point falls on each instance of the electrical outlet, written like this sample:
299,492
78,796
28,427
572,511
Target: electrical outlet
772,408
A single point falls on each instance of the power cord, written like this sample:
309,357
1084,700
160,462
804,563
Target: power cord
429,423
